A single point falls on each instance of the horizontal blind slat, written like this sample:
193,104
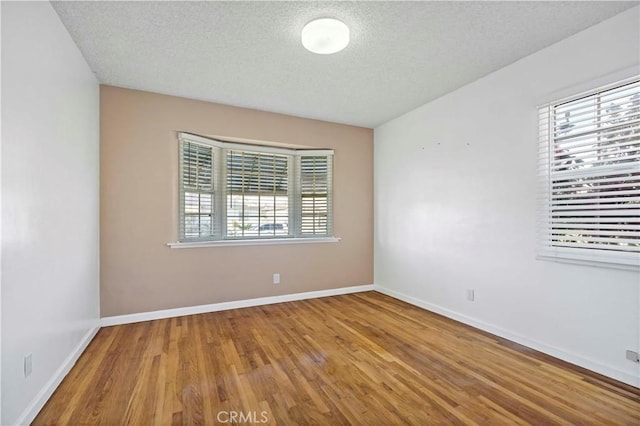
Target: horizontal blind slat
612,247
561,195
597,201
596,226
624,212
627,178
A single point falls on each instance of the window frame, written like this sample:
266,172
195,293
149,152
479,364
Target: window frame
220,235
626,260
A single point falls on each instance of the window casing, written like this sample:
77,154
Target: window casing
589,176
232,191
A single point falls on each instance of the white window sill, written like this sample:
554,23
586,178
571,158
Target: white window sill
255,242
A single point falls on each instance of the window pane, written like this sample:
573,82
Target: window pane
257,194
601,212
257,215
198,215
600,130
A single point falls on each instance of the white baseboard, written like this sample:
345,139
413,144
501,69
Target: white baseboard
564,355
223,306
32,410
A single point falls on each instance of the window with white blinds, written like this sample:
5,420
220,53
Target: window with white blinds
231,191
589,169
315,182
257,194
197,195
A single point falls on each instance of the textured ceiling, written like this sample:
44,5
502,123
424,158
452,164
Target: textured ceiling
401,55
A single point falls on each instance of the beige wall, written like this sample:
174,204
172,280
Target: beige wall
139,213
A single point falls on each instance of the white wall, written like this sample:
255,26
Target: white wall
50,241
455,209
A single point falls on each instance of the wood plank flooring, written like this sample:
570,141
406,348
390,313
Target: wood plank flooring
362,359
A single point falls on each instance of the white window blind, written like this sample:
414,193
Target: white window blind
315,203
257,193
239,191
197,194
589,169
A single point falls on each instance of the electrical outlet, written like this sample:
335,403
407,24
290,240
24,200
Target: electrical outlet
471,294
633,356
28,365
276,278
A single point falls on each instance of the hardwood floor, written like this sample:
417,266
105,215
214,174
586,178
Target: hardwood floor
355,359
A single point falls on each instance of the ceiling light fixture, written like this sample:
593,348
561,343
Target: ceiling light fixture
325,36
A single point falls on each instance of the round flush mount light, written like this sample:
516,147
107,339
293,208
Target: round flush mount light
325,36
